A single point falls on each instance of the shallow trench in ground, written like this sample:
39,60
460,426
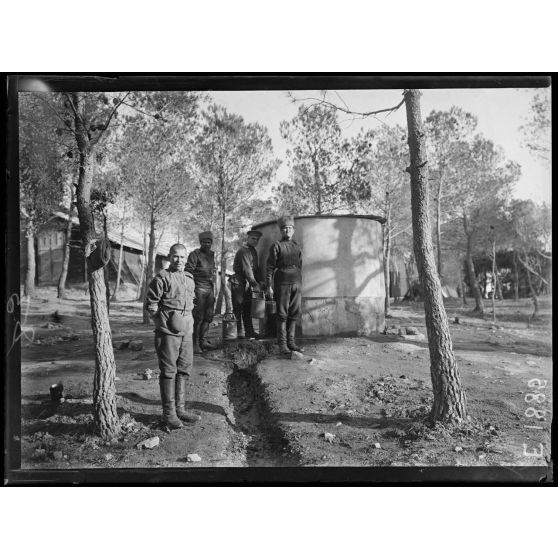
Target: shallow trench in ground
265,444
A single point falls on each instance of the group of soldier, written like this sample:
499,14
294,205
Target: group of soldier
181,300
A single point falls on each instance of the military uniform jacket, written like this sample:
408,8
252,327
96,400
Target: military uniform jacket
245,265
202,266
285,260
170,291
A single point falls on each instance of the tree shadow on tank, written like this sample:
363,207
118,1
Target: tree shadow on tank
344,262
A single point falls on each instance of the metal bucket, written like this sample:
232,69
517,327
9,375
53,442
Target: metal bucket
258,305
229,327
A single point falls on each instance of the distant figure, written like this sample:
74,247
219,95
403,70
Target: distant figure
284,282
169,302
246,279
201,264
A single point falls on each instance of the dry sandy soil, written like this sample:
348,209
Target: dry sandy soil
345,402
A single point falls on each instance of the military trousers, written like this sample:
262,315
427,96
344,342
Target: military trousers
241,294
289,301
204,304
175,353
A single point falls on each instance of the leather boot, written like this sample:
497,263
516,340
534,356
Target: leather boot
169,407
196,339
282,337
181,411
291,328
205,345
239,328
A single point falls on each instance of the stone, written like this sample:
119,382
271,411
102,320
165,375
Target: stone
329,437
149,443
458,449
136,345
109,456
58,455
339,424
312,361
122,344
376,445
193,458
39,453
412,331
415,337
295,355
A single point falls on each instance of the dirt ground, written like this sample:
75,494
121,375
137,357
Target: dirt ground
359,401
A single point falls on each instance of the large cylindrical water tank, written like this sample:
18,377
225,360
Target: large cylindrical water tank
343,288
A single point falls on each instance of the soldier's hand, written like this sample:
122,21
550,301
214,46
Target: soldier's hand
269,292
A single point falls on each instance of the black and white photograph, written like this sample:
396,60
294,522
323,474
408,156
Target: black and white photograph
261,277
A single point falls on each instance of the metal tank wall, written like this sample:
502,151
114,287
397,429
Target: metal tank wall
342,273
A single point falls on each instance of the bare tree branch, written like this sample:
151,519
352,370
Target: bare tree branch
346,110
109,118
530,269
543,255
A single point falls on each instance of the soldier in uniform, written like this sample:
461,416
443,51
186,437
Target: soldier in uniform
169,302
246,278
201,264
283,281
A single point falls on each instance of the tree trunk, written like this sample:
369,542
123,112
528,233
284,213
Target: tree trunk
387,248
150,268
494,280
449,398
515,278
120,254
141,287
219,297
531,291
104,388
67,250
106,268
225,291
29,284
462,285
438,228
499,293
473,283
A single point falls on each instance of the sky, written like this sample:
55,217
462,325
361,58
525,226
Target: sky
500,113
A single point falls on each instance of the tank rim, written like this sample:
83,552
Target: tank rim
371,217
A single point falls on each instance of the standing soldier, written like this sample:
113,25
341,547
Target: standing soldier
201,264
246,278
169,302
284,276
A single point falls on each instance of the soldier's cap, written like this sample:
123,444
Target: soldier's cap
206,235
286,221
254,232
